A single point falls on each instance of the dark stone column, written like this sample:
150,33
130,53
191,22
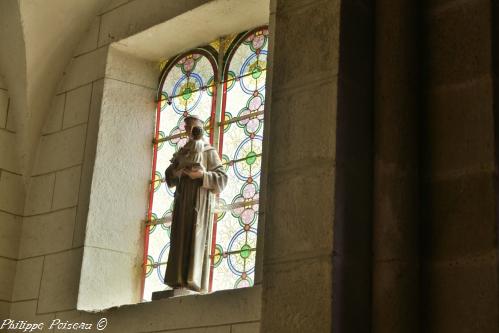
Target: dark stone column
317,258
299,206
352,260
460,263
396,162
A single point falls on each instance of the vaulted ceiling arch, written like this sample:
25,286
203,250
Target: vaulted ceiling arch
37,39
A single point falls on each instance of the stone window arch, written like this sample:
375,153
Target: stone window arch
114,227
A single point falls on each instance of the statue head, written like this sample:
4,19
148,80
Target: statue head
197,132
190,122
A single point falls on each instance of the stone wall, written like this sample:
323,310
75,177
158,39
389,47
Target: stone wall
11,200
301,158
396,218
435,224
460,232
318,210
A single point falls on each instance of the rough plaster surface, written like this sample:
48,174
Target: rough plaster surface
88,164
122,164
127,20
118,201
128,68
103,286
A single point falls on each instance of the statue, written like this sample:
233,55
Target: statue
198,175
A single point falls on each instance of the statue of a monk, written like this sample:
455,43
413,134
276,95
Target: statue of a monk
188,264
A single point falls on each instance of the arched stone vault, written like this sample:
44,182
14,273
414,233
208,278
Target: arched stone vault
40,38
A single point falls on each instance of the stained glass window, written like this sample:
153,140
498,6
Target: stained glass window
235,67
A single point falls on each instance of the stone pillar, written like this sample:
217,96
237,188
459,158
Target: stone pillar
460,264
352,259
297,283
396,163
318,207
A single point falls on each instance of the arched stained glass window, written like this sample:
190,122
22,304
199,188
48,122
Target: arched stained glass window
189,86
240,144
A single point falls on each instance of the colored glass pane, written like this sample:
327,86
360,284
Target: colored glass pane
238,189
236,260
241,139
250,57
248,106
159,245
190,73
163,157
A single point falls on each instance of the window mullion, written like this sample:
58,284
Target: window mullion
219,98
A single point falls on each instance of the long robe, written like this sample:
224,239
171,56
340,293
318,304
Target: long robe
192,221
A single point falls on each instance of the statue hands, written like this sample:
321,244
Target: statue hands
177,172
195,173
